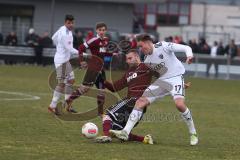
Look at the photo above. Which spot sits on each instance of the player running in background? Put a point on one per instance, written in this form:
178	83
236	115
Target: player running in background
63	39
161	58
98	48
137	78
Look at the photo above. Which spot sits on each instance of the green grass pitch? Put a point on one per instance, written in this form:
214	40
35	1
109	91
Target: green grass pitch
28	131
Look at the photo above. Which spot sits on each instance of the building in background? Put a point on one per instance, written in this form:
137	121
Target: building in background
19	16
212	19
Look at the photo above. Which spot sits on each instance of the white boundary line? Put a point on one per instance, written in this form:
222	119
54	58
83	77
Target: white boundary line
30	96
26	97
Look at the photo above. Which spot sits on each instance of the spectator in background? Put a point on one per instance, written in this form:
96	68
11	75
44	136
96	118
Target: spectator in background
193	44
168	39
176	39
78	39
11	39
220	49
1	39
90	35
204	47
231	49
45	41
31	39
213	55
180	38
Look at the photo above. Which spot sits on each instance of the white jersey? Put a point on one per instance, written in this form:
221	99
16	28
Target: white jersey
164	61
63	39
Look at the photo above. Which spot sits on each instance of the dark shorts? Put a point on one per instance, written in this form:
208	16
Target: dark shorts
119	113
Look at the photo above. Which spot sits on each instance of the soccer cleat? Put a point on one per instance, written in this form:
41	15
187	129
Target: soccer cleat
53	110
148	139
103	139
69	107
120	134
193	140
72	110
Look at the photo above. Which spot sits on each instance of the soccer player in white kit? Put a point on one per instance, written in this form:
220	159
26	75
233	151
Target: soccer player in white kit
63	39
160	57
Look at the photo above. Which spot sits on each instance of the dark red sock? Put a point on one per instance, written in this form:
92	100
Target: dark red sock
133	137
74	95
107	125
100	102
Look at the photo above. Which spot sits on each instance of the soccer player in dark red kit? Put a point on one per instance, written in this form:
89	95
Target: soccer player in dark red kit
137	78
95	73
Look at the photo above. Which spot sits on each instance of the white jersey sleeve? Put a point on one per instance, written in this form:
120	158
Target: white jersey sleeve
55	37
174	47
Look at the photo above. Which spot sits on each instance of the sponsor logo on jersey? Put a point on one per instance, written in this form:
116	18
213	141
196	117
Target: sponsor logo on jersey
134	75
160	68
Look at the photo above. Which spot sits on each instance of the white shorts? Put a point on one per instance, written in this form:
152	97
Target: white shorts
64	72
160	88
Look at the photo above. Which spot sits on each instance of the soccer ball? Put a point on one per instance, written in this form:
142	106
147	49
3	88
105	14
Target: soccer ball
89	130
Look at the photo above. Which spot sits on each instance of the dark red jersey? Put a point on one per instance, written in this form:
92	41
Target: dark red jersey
137	79
96	45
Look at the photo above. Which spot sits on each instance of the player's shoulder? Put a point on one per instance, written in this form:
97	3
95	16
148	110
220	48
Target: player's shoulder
162	44
158	44
143	66
92	40
64	31
106	38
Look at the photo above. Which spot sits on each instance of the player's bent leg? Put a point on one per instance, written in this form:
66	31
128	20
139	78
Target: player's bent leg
141	103
69	88
146	139
134	117
133	137
187	117
100	102
107	125
58	92
75	94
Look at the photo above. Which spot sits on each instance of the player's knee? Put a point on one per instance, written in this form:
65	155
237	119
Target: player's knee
106	118
180	104
61	85
71	81
83	89
141	103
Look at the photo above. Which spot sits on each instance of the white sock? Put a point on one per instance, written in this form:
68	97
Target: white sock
187	117
134	117
56	96
68	91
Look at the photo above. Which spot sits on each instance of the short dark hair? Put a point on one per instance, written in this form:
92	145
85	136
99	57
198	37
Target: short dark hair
144	37
69	17
132	51
100	25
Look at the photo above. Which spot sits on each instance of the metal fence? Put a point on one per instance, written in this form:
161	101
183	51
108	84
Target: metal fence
228	68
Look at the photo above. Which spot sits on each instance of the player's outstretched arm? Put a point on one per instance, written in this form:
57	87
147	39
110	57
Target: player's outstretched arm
117	85
174	47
